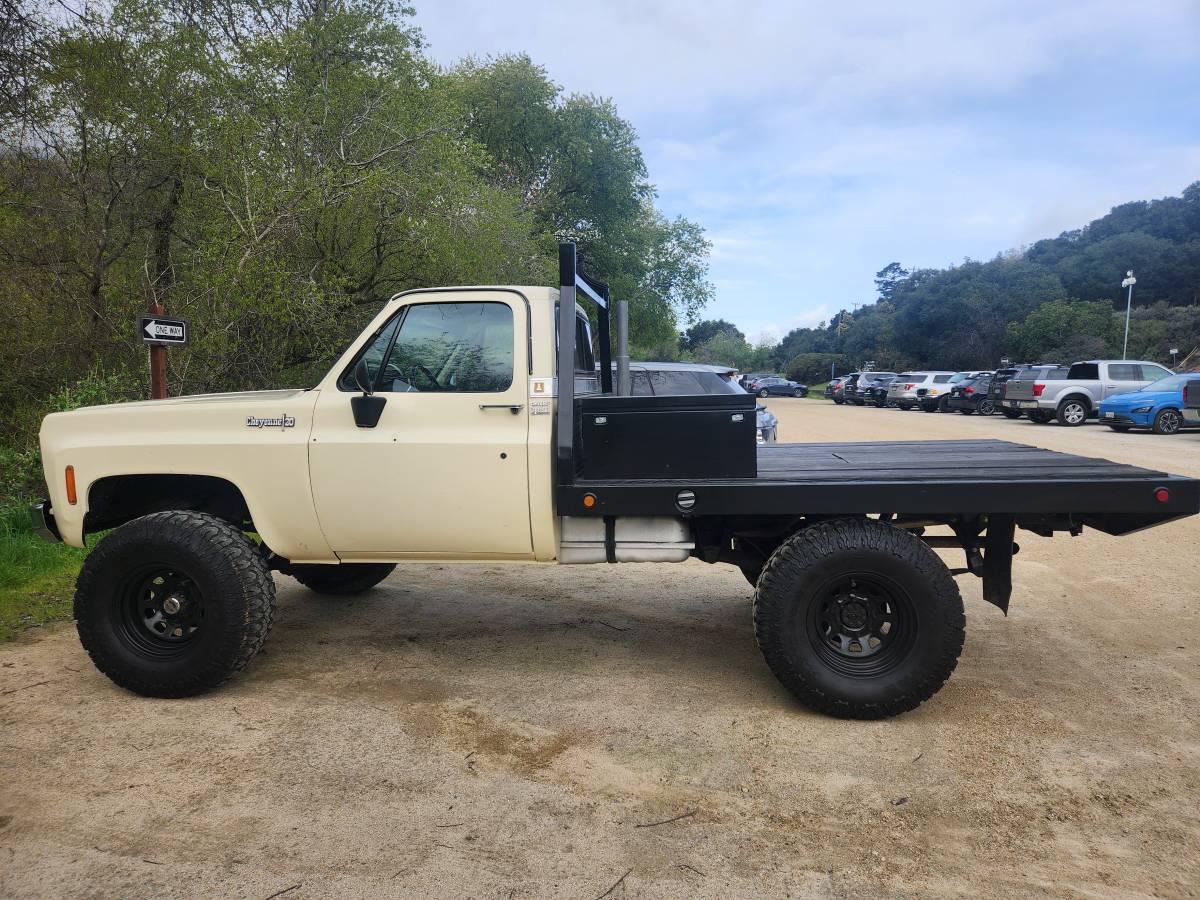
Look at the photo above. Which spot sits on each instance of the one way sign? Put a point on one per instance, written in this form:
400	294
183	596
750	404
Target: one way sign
157	330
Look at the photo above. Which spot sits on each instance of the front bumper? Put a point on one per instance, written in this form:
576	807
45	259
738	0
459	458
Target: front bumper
1113	417
42	519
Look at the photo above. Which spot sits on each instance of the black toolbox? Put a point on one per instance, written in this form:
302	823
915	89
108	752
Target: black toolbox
702	436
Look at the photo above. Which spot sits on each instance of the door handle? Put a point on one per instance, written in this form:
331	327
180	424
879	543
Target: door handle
514	408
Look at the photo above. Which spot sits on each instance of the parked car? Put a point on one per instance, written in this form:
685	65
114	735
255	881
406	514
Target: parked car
750	377
1158	406
774	386
868	382
971	396
689	379
1076	398
903	391
1191	400
943	394
932	394
832	388
846	384
877	388
1000	382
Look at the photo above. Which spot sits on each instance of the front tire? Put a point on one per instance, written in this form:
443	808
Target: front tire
858	619
343	579
1168	421
174	603
764	393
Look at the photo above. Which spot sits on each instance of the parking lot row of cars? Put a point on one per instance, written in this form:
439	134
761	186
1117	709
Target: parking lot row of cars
1122	394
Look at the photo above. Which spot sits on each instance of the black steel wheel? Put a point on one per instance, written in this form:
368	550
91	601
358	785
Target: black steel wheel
347	578
174	603
1168	421
858	618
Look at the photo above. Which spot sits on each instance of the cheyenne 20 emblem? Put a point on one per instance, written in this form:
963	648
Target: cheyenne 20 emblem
273	422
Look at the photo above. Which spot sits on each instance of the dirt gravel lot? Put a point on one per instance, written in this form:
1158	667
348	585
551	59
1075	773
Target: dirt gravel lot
496	731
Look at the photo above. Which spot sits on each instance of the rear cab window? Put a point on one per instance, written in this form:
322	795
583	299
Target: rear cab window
1084	372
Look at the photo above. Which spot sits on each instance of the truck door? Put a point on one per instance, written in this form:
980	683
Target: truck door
1121	378
445	471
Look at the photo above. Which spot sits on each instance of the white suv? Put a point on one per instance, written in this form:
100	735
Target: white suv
904	390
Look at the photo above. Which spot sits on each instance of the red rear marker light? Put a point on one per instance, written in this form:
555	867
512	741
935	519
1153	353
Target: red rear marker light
1162	495
1037	389
909	387
968	390
70	477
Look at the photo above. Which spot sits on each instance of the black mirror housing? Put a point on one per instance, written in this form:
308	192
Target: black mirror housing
362	378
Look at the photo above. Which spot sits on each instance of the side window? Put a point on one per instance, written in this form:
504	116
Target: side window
680	384
1084	372
373	355
941	379
1124	372
1153	373
452	347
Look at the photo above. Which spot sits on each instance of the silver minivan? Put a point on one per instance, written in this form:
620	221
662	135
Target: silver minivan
903	391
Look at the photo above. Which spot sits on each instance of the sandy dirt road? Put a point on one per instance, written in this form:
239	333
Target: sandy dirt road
502	731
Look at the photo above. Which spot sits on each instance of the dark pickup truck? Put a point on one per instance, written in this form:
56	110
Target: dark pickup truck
541	462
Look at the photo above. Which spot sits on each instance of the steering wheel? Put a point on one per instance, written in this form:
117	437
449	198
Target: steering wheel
432	378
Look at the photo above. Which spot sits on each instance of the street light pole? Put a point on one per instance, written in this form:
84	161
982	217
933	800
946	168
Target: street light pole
1129	282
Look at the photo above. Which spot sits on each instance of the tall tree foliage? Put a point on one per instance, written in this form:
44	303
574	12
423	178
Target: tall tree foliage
273	170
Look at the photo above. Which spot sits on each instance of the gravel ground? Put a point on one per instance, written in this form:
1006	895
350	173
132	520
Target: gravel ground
497	731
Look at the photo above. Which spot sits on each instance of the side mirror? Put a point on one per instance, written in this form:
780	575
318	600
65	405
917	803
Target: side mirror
362	378
367	408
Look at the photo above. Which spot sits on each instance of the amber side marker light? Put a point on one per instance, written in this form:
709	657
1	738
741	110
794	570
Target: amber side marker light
589	500
1162	495
71	498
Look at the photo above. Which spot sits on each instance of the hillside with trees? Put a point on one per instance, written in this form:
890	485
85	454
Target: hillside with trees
1060	299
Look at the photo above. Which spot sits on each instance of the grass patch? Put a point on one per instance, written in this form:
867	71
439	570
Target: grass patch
817	391
37	578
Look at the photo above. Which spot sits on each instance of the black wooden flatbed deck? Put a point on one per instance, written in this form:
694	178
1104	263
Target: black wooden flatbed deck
912	478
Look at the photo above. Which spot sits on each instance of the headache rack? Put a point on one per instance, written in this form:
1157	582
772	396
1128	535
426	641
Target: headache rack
605	435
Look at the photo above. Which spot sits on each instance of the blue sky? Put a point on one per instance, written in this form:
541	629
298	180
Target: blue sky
817	142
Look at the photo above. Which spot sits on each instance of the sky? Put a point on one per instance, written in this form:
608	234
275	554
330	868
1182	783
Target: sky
818	142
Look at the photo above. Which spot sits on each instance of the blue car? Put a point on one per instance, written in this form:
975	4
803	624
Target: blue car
1158	406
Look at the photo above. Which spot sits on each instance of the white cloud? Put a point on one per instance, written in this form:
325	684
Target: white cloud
816	142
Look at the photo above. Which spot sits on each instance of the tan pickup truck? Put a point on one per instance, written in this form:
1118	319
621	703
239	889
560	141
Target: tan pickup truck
447	431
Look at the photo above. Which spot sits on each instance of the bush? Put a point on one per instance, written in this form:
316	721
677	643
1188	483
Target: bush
814	367
20	459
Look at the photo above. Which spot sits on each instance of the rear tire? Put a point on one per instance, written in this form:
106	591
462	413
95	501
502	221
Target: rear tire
764	393
858	619
174	603
1168	421
986	408
838	402
1072	412
344	579
905	406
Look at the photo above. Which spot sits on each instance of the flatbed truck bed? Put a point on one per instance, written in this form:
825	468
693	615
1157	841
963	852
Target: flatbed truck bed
954	478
